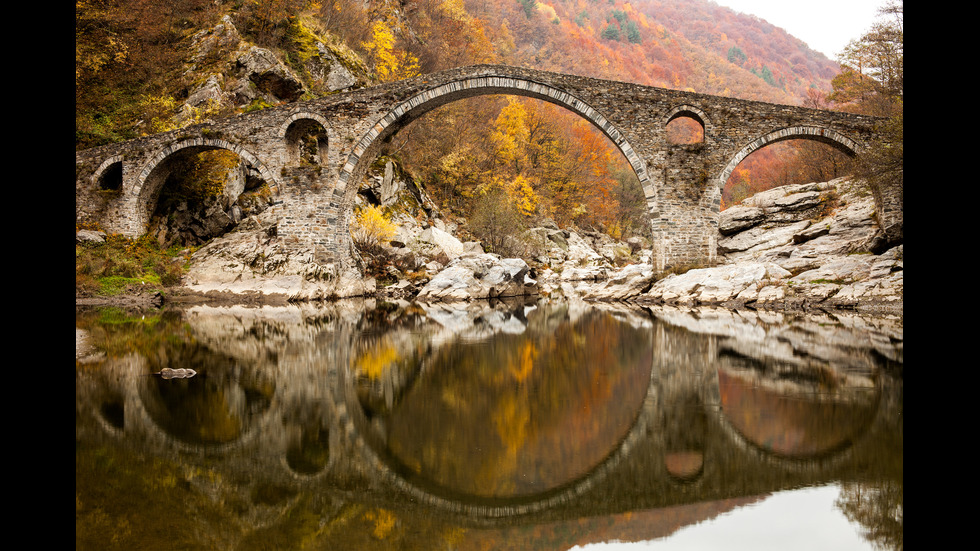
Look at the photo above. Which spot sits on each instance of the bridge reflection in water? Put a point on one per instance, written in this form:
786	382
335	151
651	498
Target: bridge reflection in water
361	425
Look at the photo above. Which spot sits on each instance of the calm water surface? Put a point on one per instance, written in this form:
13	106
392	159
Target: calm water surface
545	425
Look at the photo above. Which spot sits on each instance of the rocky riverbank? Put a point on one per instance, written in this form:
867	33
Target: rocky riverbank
813	246
805	246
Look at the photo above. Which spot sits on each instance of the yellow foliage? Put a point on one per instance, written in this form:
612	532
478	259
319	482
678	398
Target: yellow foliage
390	63
525	361
162	109
510	132
371	226
522	194
455	9
376	361
547	11
384	521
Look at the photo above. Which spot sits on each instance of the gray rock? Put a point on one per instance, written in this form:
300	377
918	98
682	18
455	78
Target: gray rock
326	68
270	75
252	262
479	277
629	282
433	238
772	237
90	236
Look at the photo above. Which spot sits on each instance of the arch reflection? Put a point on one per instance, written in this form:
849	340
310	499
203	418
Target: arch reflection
217	406
508	420
796	411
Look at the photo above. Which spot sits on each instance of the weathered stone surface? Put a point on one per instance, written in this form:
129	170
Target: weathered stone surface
250	262
328	69
479	277
761	237
629	282
90	236
270	75
714	285
444	241
740	217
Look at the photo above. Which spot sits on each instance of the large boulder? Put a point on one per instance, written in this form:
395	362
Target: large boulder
480	276
626	283
251	263
228	72
433	238
562	248
269	75
716	285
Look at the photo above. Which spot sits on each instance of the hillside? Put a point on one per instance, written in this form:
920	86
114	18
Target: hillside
141	69
132	59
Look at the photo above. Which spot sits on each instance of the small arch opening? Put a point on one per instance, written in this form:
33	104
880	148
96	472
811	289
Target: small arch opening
112	177
685	129
789	162
307	143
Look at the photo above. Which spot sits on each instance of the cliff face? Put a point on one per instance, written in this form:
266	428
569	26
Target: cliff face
233	74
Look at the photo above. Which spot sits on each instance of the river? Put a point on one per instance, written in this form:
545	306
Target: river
546	425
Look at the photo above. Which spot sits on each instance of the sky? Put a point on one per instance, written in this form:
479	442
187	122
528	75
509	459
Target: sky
801	520
826	26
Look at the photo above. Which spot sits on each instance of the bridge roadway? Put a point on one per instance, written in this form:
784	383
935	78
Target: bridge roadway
117	185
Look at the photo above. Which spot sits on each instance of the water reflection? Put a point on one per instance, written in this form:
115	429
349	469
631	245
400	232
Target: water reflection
217	406
793	422
514	415
362	425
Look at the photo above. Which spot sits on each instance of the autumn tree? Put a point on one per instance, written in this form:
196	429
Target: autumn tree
371	228
497	221
125	51
268	21
872	82
390	62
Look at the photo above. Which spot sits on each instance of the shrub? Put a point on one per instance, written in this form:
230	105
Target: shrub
370	228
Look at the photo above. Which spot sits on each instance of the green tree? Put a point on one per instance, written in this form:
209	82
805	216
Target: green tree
633	33
528	6
736	55
611	32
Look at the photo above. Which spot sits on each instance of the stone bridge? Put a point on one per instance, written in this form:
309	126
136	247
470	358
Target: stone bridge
118	185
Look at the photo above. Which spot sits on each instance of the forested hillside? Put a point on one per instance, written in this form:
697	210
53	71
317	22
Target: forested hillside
130	54
139	61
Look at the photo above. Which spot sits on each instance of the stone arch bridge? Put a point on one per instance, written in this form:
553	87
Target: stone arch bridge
118	185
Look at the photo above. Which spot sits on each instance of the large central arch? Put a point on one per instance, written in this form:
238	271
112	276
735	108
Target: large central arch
416	106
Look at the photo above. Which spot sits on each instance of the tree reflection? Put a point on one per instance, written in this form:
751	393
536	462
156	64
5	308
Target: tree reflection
879	509
521	414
